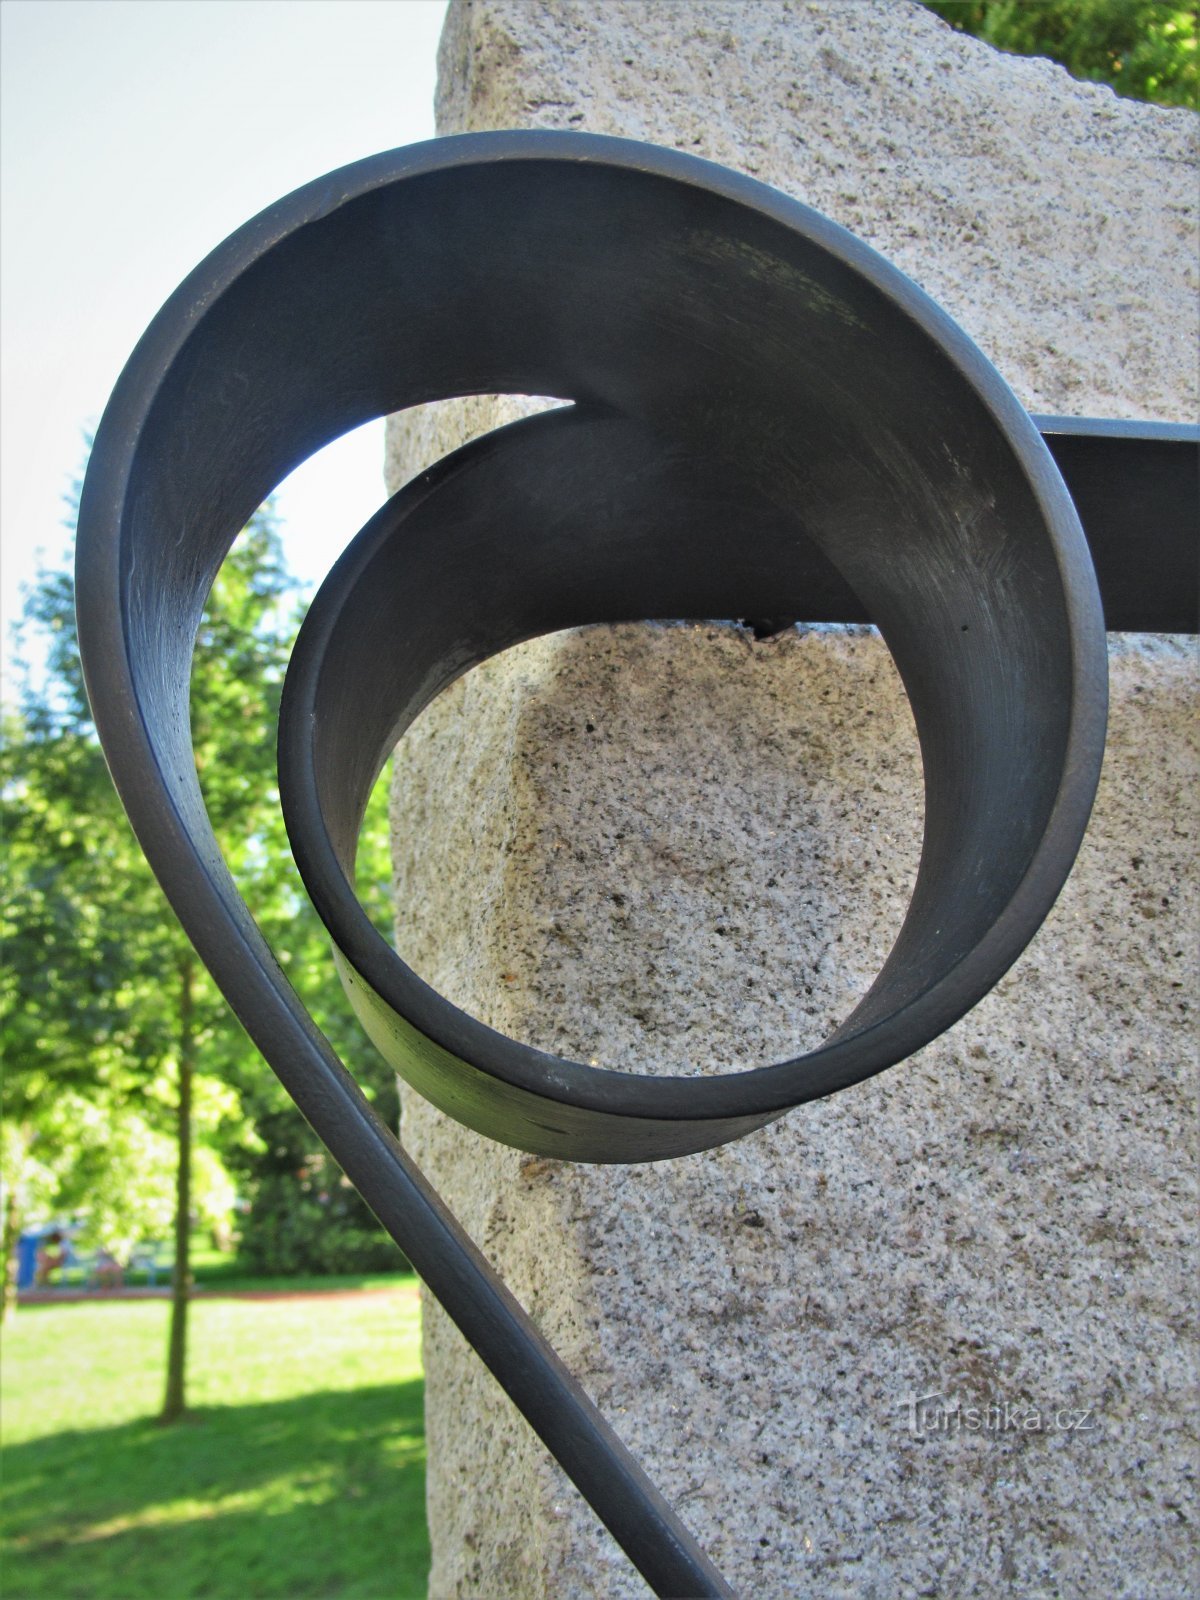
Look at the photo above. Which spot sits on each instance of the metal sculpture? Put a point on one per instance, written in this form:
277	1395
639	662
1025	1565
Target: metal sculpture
768	421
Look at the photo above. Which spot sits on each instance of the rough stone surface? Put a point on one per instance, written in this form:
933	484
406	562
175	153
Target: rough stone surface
676	848
1054	221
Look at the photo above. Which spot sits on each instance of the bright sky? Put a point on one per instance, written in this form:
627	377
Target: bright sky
136	135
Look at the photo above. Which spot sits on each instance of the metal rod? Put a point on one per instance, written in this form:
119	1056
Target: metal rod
639	1518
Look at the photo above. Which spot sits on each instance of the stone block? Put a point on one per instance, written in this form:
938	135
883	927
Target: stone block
681	849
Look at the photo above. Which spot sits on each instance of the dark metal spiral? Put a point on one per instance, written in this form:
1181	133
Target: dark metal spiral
769	421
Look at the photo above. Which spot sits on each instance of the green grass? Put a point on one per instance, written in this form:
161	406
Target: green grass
301	1472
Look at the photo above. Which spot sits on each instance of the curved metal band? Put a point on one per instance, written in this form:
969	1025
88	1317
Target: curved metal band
590	516
726	323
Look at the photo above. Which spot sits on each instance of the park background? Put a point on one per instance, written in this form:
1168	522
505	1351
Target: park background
215	1442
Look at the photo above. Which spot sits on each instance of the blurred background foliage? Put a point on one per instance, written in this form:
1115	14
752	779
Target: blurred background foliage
124	1068
1144	49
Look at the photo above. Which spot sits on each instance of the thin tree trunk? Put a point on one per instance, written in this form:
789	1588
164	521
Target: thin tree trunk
175	1400
11	1230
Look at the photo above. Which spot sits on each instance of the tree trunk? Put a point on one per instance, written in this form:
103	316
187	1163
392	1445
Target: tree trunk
175	1400
11	1230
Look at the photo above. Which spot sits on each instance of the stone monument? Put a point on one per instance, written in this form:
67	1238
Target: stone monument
932	1336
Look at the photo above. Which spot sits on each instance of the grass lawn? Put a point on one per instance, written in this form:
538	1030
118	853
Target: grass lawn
301	1473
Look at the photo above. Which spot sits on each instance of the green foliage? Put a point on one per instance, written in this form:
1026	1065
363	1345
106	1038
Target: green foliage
1145	49
110	1164
297	1229
305	1216
298	1477
95	963
90	998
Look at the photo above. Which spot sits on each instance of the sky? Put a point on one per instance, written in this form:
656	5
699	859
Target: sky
135	136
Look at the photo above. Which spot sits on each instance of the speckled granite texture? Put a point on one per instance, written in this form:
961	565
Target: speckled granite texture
676	848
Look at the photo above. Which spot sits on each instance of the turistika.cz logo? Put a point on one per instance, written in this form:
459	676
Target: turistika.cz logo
938	1416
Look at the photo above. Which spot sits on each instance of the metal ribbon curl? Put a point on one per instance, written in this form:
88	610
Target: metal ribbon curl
769	421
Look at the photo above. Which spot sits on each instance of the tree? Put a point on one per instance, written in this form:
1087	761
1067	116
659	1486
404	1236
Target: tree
1144	49
107	1018
84	1089
105	1006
